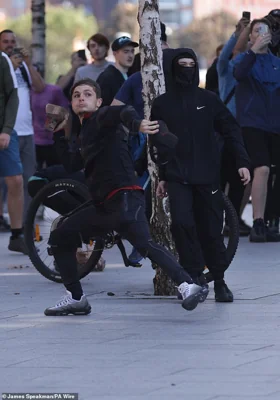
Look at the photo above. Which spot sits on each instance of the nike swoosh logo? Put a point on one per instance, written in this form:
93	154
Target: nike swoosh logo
215	191
199	108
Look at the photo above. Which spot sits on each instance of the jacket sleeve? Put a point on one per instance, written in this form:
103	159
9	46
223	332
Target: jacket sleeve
243	65
111	116
71	160
227	126
224	58
11	106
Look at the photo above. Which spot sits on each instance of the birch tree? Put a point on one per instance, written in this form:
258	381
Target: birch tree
153	86
38	34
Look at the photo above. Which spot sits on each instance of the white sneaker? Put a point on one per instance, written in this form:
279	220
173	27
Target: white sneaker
190	294
68	305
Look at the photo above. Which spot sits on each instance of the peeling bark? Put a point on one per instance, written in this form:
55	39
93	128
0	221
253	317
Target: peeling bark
153	86
38	34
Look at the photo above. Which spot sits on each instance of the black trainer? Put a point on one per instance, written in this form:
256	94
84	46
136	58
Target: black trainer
18	245
258	231
222	292
272	236
273	225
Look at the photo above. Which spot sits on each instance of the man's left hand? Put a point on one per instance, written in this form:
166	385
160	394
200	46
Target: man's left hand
149	127
4	140
245	175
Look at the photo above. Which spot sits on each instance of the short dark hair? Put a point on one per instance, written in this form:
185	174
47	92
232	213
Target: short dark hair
259	21
88	82
99	39
6	31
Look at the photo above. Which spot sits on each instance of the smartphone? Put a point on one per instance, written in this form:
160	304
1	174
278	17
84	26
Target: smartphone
17	50
247	15
82	54
263	29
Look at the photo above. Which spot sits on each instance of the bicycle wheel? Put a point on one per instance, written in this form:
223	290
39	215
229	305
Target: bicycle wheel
232	241
37	229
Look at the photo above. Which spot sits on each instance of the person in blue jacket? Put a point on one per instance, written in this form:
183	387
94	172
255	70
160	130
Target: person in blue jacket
131	93
237	43
257	104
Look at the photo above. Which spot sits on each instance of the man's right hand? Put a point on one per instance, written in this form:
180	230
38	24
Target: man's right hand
261	42
4	140
77	63
162	189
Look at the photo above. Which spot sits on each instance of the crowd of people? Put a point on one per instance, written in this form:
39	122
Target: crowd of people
206	142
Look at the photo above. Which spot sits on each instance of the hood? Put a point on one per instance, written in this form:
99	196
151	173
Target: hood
169	56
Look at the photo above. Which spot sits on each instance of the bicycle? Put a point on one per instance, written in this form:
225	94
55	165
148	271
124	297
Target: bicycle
37	232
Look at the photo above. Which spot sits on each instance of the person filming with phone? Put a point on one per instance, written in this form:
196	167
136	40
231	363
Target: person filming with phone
257	104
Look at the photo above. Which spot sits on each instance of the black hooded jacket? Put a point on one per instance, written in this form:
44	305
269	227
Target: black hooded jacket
103	152
195	115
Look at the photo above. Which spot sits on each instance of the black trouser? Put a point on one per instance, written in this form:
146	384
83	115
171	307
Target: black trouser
229	174
63	202
123	213
272	208
197	223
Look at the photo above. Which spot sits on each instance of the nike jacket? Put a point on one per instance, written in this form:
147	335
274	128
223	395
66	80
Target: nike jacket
196	116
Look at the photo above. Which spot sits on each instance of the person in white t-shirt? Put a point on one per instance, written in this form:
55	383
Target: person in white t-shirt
27	77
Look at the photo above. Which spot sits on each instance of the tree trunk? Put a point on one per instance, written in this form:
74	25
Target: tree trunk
38	34
153	86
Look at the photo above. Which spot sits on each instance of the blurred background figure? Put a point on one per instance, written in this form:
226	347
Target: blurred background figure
65	82
114	76
212	82
98	46
45	152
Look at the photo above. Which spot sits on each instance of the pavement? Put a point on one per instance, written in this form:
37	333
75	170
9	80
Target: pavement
137	346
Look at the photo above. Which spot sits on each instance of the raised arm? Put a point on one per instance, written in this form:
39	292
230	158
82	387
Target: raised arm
243	65
224	58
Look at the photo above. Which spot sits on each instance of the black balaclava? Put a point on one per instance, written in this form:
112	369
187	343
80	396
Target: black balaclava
183	75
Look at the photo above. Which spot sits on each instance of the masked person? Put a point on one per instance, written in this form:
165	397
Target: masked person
192	177
118	202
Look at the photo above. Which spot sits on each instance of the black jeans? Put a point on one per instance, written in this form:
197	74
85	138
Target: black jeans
46	155
197	223
63	202
123	213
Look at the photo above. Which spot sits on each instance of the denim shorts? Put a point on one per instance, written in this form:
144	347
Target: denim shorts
10	164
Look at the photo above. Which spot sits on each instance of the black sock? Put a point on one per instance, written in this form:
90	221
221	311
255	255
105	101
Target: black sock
16	233
75	289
